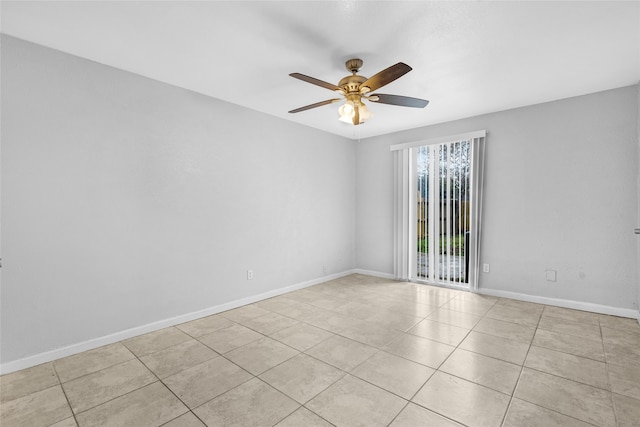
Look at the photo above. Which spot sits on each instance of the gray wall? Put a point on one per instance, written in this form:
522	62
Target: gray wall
126	201
560	193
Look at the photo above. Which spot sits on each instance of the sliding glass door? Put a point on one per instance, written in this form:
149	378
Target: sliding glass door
438	196
443	212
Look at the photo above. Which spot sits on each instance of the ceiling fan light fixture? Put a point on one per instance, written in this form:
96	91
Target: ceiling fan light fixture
347	111
365	114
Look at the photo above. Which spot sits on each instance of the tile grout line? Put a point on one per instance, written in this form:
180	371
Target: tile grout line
136	357
73	414
108	400
438	370
299	352
243	369
378	350
606	366
398	414
168	388
160	380
253	376
240	367
515	388
127	393
558	376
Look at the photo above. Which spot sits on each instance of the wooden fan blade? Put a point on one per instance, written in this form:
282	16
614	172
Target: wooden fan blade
316	82
317	104
404	101
386	76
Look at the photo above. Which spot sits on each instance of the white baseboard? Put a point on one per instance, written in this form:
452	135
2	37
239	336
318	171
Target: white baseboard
576	305
373	273
70	350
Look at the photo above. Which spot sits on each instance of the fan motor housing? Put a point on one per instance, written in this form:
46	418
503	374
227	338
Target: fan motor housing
352	83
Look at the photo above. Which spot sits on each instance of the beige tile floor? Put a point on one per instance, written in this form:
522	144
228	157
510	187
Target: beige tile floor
356	351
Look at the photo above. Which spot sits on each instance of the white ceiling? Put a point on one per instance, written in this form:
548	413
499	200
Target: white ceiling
468	58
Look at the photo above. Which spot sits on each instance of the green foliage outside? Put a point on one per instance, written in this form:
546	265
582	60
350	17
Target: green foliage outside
457	245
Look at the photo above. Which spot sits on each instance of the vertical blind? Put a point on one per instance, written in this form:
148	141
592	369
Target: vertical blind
438	207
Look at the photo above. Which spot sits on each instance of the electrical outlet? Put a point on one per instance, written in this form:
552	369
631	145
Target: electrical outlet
485	268
249	274
551	275
324	270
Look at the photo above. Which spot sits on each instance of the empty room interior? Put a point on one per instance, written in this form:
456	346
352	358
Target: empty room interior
331	213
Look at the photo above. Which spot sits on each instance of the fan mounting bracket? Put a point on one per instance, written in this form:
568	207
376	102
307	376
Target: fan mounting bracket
353	65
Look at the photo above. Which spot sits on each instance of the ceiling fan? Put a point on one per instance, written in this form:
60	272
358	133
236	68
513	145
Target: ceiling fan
355	89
